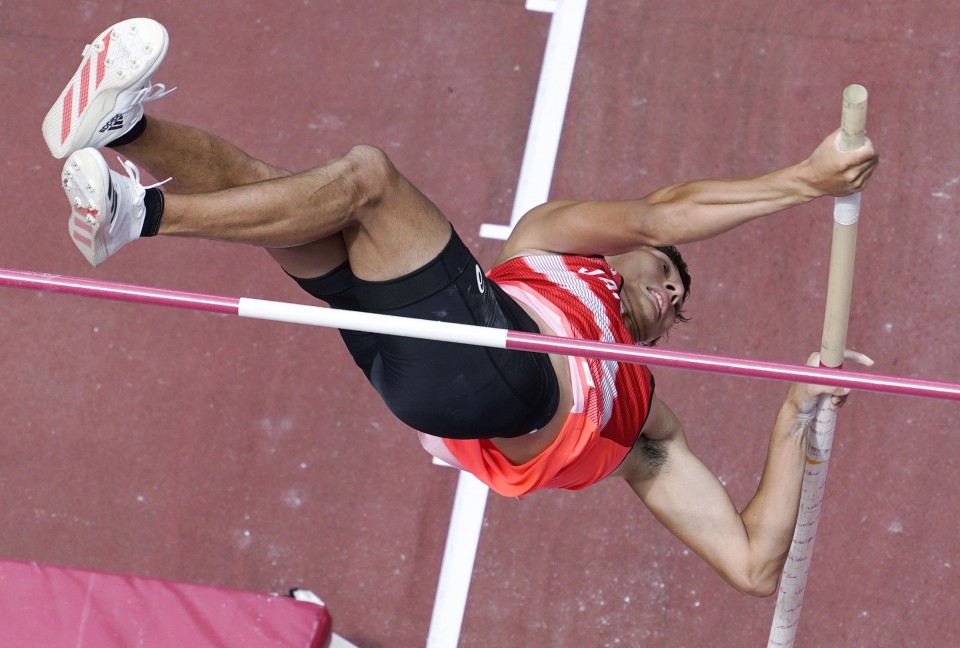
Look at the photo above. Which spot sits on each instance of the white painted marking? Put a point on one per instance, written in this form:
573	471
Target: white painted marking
533	188
339	642
549	108
546	6
459	554
499	232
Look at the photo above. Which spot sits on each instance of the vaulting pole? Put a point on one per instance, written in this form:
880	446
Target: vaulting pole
839	291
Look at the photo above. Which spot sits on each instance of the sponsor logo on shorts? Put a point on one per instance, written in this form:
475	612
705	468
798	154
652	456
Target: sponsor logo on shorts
480	284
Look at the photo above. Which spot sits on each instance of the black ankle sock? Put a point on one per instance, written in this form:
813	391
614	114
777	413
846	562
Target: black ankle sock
131	134
153	201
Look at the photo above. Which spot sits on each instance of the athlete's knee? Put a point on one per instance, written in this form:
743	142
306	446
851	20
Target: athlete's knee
372	173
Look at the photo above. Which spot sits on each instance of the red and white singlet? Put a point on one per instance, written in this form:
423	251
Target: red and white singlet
577	297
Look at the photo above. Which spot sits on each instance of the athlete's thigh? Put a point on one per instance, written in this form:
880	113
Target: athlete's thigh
396	234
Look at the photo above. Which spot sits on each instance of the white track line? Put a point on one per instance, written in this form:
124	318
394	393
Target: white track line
463	536
546	6
533	188
549	108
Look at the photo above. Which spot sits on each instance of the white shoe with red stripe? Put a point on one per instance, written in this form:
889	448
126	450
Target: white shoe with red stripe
105	97
106	207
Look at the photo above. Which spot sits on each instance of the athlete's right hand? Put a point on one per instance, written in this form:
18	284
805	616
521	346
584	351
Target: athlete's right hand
830	171
806	397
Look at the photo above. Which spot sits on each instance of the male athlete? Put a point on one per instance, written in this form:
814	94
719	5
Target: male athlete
356	234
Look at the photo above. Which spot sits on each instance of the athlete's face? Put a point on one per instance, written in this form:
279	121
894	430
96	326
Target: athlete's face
652	292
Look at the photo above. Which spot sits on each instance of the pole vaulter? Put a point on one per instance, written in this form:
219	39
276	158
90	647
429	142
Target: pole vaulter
846	212
475	335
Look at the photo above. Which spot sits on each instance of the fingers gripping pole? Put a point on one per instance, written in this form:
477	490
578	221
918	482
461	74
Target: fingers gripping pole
839	292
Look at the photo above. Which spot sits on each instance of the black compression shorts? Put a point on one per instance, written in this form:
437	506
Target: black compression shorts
446	389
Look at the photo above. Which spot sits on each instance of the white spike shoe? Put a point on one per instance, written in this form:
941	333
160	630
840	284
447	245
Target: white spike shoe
106	208
105	97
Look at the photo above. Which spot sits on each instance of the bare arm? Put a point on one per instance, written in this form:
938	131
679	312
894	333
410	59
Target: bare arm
688	211
747	548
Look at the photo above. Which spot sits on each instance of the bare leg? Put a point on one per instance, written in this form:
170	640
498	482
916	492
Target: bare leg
388	227
199	162
196	161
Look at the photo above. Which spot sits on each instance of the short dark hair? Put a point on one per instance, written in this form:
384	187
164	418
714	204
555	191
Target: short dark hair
676	258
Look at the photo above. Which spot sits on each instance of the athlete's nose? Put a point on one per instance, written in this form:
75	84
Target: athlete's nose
674	291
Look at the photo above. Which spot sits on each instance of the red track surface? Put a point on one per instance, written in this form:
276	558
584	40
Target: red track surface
252	455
